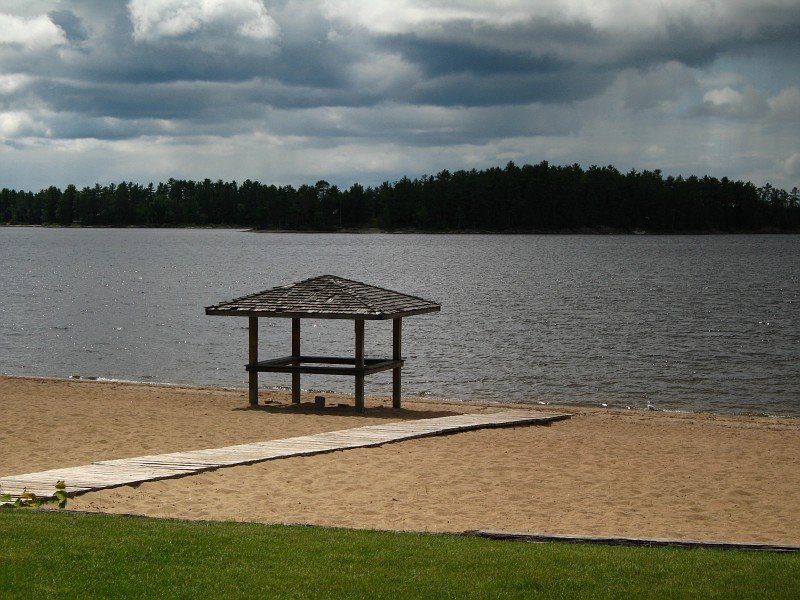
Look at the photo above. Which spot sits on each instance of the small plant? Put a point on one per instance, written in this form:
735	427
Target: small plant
30	500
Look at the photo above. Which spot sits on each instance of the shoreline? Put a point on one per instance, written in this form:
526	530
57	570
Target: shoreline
604	472
600	231
411	398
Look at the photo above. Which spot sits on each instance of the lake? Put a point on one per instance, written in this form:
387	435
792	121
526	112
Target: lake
709	323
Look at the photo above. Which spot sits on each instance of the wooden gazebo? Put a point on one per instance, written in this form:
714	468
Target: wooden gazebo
326	297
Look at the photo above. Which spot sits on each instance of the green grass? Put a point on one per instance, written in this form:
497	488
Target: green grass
83	556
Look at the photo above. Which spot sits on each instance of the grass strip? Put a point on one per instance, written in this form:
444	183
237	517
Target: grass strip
106	556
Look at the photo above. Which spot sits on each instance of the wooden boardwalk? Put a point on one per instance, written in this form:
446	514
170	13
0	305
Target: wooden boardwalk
126	471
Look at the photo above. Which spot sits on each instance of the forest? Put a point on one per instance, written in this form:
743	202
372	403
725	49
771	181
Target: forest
530	198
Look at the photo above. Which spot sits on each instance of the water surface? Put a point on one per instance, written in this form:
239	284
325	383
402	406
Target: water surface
679	322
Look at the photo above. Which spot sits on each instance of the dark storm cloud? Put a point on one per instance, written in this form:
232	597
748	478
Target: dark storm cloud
461	63
577	49
115	57
44	62
442	57
70	24
505	89
694	45
126	101
182	100
67	126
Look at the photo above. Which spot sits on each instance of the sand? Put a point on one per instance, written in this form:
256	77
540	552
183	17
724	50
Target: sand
603	472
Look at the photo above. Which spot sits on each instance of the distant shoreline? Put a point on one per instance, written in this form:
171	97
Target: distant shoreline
408	397
605	231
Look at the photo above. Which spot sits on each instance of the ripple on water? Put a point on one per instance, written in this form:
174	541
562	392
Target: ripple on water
682	322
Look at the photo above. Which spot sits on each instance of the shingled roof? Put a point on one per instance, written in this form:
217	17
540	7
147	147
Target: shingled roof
326	297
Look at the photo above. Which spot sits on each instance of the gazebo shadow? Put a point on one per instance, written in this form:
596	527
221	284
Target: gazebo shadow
348	410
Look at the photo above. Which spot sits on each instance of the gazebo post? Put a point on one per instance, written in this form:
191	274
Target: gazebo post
327	297
359	365
397	341
296	353
253	359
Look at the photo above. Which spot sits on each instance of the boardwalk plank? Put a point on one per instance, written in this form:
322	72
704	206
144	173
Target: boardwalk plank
125	471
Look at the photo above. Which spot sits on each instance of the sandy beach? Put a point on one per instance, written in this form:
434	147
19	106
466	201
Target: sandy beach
602	472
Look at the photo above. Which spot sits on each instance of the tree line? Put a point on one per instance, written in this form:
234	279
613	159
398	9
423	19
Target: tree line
542	197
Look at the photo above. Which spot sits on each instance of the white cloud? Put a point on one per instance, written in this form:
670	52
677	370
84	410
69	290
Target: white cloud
403	16
398	16
722	97
379	73
786	105
10	123
14	124
33	33
12	83
655	151
728	102
791	165
158	19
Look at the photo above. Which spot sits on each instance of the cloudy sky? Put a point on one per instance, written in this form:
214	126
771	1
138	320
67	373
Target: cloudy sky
291	91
